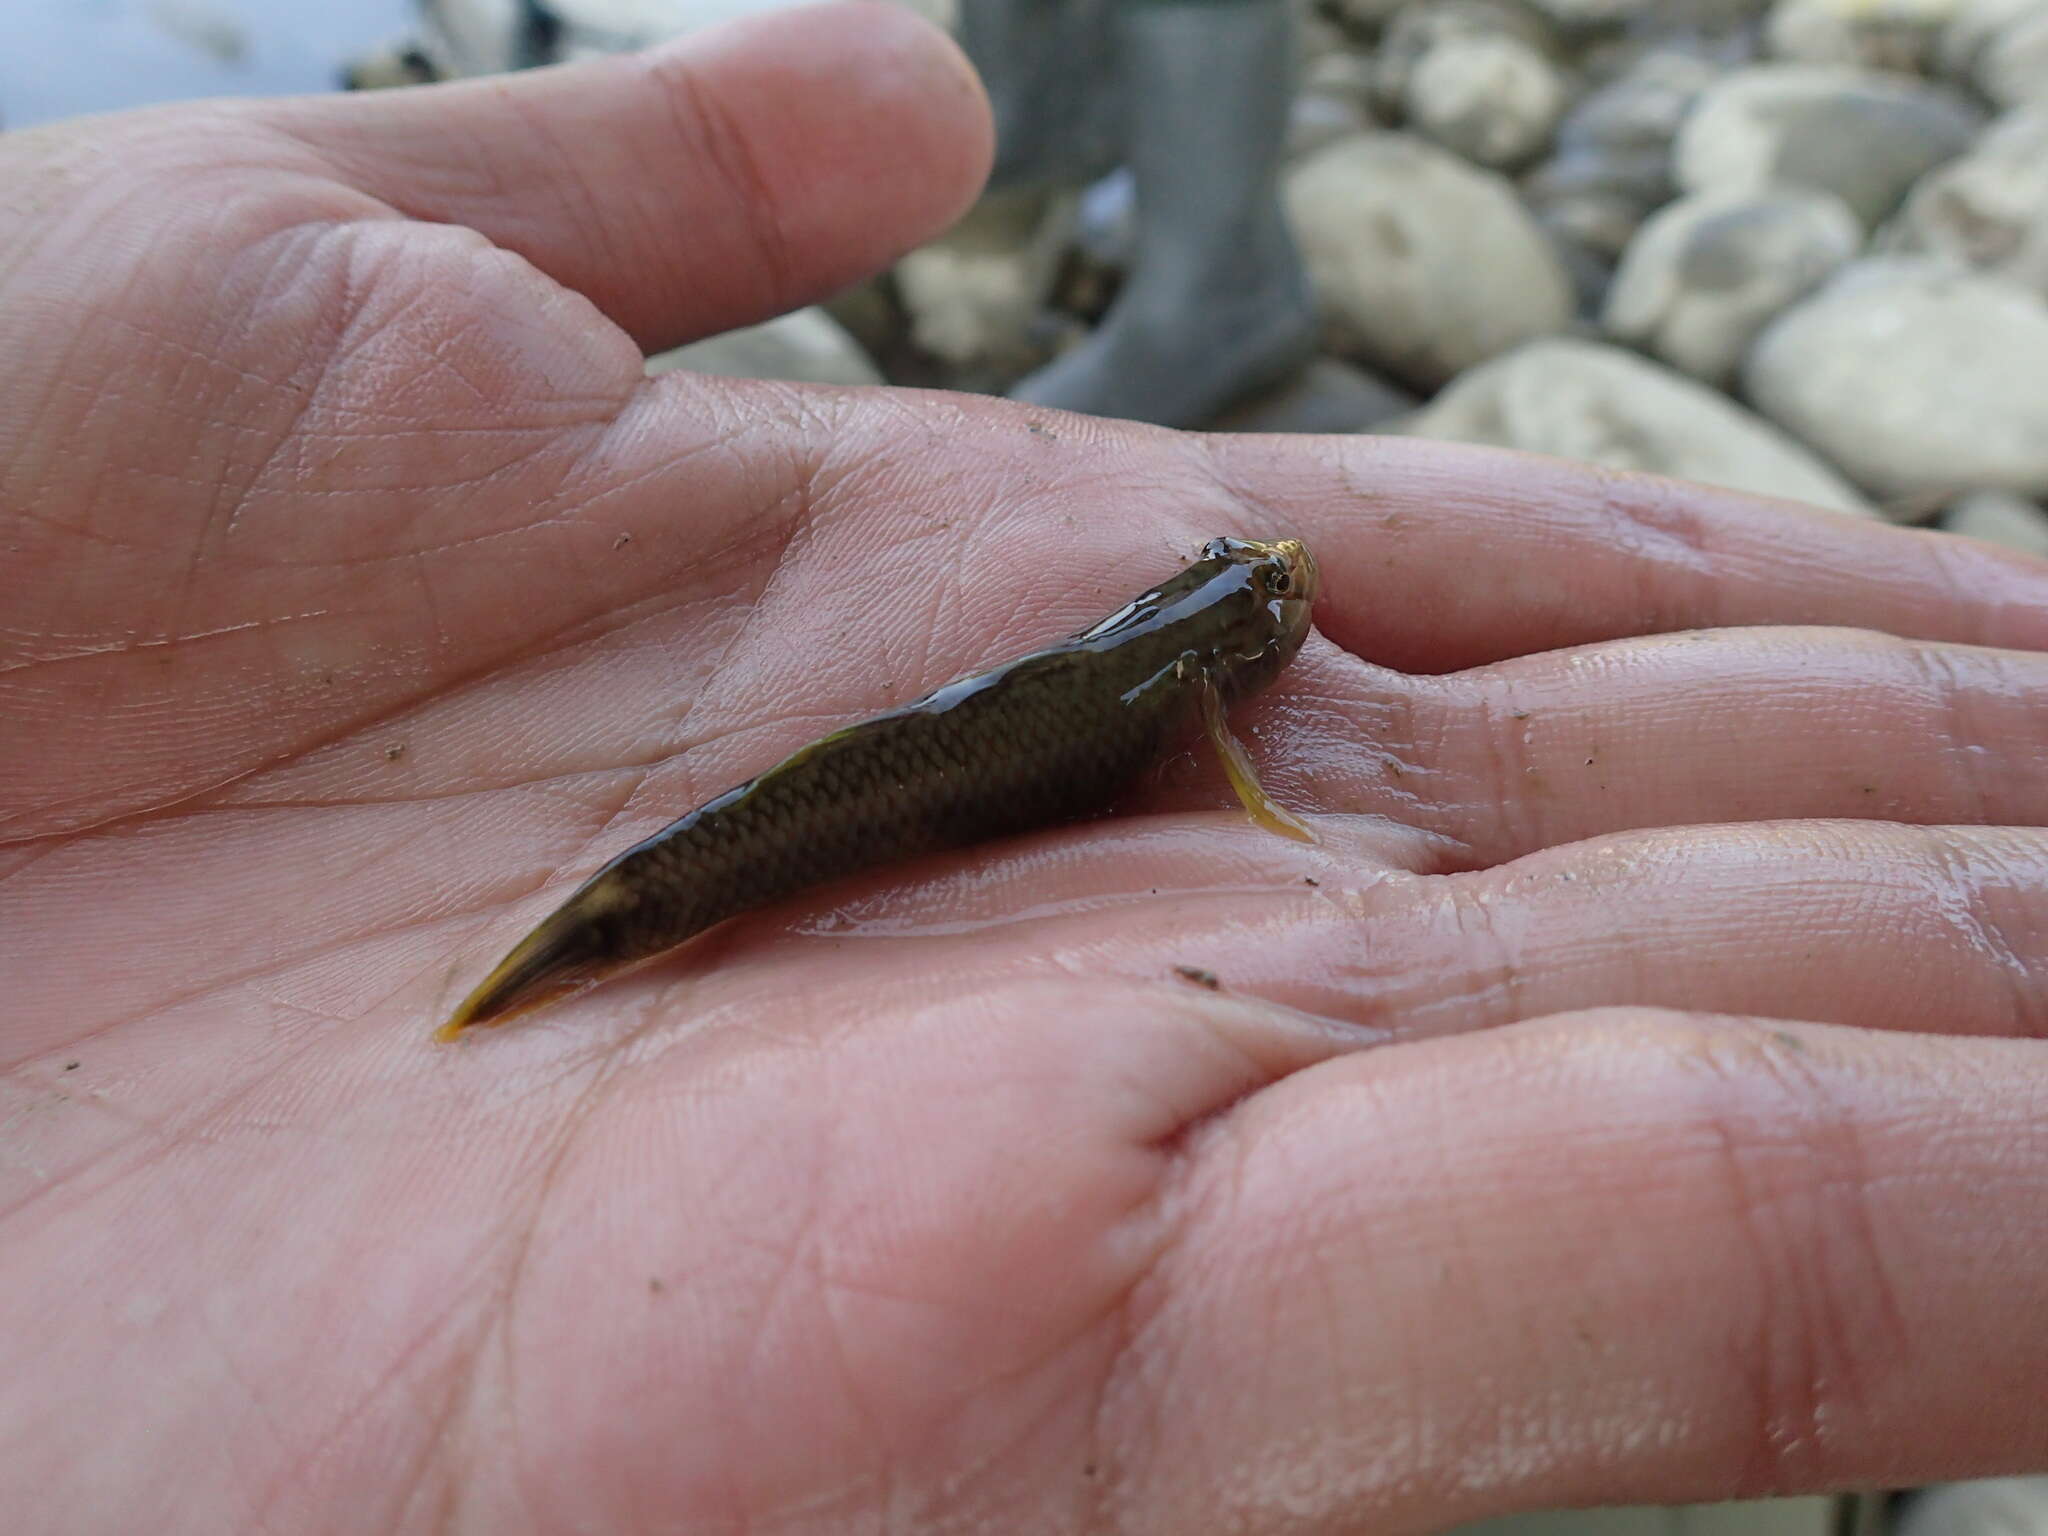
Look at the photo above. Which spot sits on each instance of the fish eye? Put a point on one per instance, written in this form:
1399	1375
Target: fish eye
1280	583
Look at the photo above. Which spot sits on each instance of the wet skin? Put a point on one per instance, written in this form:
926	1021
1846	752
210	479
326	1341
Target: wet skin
1638	1092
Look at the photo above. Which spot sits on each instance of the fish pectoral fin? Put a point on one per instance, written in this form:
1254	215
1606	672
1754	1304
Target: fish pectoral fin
1244	779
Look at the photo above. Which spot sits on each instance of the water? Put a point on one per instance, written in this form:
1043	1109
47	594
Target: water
59	58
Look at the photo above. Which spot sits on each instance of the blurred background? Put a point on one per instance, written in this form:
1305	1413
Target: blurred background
60	58
1798	247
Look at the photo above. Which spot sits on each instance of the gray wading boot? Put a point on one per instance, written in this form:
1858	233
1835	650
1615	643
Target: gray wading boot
1049	69
1216	304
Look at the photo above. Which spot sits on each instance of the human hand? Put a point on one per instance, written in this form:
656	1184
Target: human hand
1636	1095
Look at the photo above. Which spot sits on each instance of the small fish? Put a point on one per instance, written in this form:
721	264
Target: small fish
1047	738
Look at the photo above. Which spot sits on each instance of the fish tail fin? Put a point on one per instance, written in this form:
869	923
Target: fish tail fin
558	959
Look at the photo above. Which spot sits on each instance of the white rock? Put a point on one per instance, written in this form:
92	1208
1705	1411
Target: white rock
806	344
1862	135
2012	68
1914	376
1494	100
975	292
1585	400
1971	30
1872	34
1419	29
1706	273
1424	265
1989	208
2001	518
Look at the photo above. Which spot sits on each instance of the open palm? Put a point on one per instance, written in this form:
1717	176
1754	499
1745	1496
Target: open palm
359	596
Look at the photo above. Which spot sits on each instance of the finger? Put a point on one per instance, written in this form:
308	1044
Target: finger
396	453
723	178
1885	927
1868	924
1000	529
1625	1256
1436	560
1715	726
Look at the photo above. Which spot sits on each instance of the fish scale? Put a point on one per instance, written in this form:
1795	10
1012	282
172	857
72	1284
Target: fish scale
1045	739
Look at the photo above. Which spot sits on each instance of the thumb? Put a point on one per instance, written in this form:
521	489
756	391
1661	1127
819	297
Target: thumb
290	446
728	176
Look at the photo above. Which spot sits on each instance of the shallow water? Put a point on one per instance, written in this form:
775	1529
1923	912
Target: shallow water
59	58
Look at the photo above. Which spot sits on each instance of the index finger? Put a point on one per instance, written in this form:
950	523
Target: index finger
1441	558
1605	1256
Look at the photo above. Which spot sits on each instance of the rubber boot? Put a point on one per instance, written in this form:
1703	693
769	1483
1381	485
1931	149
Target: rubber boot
1048	68
1216	304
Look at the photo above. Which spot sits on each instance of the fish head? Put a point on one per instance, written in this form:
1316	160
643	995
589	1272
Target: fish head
1291	579
1282	579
